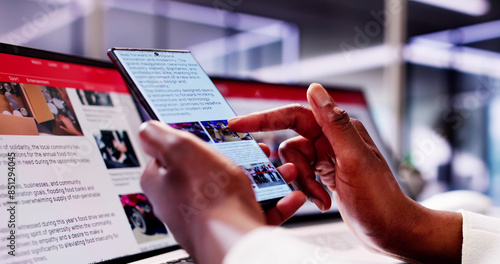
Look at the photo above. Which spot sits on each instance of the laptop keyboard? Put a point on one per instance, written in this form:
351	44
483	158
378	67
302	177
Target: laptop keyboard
339	240
342	242
334	240
187	260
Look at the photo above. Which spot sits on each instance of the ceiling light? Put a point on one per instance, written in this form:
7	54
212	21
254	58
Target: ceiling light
469	7
328	65
464	35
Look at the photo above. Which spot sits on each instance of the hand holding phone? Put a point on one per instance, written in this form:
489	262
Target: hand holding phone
170	86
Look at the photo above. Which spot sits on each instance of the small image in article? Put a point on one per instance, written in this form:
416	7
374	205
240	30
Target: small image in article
65	121
144	224
192	127
28	109
116	149
94	98
263	175
220	132
11	100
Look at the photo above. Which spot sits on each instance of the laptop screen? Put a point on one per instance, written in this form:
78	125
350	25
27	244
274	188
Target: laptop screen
70	163
70	158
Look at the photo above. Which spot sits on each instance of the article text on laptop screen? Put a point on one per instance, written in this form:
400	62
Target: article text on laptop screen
70	164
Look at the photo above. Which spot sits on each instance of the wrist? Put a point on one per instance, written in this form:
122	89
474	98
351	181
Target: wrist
216	230
429	236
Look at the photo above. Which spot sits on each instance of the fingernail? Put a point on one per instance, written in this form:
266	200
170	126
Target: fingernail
319	95
319	204
233	119
146	128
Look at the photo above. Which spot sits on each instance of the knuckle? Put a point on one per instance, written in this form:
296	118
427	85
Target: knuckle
284	146
298	107
338	117
145	182
294	111
146	177
142	181
356	122
289	144
181	143
284	150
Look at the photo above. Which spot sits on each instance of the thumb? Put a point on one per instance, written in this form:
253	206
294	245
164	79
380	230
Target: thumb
336	125
158	140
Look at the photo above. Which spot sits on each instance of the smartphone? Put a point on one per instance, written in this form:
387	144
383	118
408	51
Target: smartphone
171	86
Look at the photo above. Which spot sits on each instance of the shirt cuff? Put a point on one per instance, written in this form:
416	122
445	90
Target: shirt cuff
273	245
481	239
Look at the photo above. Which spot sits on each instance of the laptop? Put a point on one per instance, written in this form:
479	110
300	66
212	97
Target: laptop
71	157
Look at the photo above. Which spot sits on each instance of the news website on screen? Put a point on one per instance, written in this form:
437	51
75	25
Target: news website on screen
70	162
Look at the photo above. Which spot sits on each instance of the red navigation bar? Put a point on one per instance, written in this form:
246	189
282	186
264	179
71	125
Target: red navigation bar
59	74
28	70
256	90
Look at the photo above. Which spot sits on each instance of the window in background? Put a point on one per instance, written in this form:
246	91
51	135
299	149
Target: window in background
225	43
453	73
494	146
50	25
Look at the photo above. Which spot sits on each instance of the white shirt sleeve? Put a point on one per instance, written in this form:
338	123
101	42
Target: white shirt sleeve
481	245
481	239
272	245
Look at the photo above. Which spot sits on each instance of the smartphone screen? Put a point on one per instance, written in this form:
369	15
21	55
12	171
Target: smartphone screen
174	89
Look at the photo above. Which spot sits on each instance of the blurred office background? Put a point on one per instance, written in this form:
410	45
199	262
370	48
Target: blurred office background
430	68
